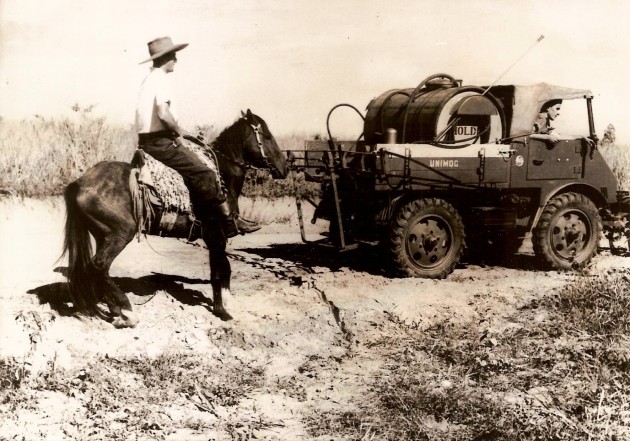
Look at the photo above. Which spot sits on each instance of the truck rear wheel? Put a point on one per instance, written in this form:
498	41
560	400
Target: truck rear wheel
427	238
568	231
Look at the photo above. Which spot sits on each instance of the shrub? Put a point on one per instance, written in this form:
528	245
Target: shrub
618	159
40	156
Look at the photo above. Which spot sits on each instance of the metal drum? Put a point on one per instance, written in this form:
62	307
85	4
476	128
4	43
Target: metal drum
440	112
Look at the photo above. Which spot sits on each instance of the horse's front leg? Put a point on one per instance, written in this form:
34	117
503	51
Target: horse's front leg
220	270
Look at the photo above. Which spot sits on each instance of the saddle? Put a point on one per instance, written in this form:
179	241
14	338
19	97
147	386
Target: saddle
161	200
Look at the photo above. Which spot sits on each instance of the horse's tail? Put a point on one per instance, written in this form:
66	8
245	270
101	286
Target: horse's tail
78	246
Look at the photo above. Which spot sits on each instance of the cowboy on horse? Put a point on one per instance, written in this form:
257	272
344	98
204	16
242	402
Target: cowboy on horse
103	202
160	135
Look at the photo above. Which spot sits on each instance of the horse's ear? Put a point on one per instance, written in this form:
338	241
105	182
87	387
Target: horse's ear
249	114
243	114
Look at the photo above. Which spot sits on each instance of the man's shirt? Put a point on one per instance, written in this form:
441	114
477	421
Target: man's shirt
542	125
155	90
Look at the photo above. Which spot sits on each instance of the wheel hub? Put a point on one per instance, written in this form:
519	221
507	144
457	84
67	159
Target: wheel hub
429	241
570	234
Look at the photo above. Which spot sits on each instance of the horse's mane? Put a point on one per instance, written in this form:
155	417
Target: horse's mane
228	137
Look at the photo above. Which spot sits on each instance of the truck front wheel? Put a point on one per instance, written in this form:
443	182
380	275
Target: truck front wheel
427	238
568	231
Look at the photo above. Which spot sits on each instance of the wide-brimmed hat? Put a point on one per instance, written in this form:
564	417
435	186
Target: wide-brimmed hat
549	104
162	46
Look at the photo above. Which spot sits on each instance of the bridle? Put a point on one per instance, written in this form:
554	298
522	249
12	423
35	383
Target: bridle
259	133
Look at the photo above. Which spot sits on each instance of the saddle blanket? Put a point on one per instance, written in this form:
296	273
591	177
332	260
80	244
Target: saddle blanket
168	185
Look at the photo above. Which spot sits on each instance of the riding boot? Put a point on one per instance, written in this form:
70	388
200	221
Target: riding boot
232	223
230	228
246	226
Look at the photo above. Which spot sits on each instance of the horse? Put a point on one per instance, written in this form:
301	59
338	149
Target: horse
100	203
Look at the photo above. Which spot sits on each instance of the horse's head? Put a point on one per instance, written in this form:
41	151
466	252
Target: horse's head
260	148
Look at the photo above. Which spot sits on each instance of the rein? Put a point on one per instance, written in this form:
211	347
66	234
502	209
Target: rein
244	165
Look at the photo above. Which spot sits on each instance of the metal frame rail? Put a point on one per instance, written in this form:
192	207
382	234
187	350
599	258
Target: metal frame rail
327	164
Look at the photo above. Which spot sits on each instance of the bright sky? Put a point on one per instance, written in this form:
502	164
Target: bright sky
291	61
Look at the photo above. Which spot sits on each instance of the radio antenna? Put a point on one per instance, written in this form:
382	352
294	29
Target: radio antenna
538	40
455	120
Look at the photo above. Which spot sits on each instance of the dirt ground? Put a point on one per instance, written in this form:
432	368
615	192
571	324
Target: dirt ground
304	313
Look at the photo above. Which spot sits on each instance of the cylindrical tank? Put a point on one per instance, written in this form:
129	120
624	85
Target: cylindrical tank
440	112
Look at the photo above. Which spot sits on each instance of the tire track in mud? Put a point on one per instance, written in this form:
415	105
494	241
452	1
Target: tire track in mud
297	275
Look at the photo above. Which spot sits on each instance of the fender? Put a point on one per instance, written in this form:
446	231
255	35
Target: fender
587	190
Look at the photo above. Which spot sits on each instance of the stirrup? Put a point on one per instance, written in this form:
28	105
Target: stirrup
230	226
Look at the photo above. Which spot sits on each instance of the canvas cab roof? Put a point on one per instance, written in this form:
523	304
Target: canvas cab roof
521	104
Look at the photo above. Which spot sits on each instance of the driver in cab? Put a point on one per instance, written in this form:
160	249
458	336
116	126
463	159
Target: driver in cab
544	130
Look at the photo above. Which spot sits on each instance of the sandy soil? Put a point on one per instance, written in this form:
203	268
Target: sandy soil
305	313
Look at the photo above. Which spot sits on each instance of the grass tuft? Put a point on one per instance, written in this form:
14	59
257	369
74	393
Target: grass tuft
147	396
559	368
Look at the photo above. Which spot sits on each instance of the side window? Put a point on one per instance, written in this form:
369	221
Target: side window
573	118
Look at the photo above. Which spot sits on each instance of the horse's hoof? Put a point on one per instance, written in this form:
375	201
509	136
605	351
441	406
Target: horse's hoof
127	319
223	315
